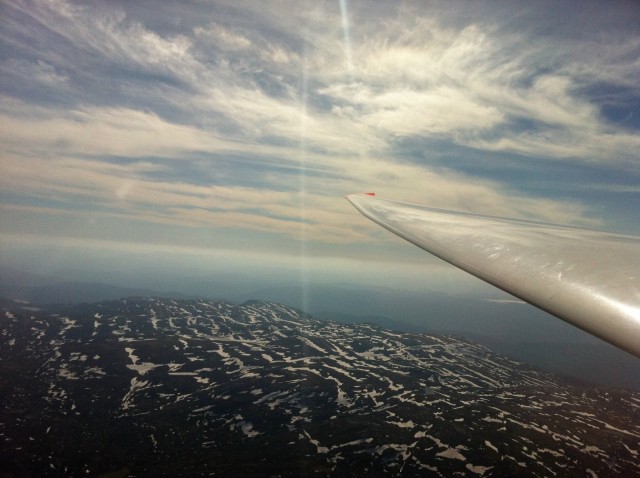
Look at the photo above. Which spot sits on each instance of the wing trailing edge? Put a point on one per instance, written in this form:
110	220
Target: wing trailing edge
590	279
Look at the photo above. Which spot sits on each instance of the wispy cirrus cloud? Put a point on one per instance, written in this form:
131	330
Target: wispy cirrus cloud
231	116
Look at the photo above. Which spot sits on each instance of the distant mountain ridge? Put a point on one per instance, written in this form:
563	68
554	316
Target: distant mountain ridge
598	363
39	289
169	387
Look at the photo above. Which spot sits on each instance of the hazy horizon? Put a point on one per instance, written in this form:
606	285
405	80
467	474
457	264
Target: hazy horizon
490	317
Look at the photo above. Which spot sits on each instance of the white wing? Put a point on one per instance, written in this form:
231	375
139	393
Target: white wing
588	278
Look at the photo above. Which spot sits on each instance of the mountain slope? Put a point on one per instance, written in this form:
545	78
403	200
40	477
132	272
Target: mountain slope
159	387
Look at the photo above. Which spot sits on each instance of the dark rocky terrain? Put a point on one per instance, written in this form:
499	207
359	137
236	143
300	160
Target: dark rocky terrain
158	387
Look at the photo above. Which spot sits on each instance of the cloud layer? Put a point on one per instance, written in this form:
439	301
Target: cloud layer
233	119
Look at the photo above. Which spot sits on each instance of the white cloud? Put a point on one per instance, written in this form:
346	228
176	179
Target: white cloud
39	73
414	113
223	37
414	76
281	95
316	211
96	131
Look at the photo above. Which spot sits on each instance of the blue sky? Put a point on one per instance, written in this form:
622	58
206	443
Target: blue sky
229	132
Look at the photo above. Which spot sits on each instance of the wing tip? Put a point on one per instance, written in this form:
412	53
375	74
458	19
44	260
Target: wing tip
356	197
372	194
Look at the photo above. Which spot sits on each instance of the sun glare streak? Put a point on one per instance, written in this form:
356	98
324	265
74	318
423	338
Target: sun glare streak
347	38
302	188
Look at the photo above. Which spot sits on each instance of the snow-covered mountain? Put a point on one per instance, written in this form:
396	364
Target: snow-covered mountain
158	387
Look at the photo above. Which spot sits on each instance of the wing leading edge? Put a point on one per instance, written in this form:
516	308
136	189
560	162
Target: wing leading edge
588	278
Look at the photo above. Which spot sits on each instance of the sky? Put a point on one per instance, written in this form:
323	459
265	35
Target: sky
222	136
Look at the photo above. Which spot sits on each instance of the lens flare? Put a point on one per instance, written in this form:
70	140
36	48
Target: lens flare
347	38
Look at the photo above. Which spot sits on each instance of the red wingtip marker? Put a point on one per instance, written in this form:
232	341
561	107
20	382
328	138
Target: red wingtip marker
370	194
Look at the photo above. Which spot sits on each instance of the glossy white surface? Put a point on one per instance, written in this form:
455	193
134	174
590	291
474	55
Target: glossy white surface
588	278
